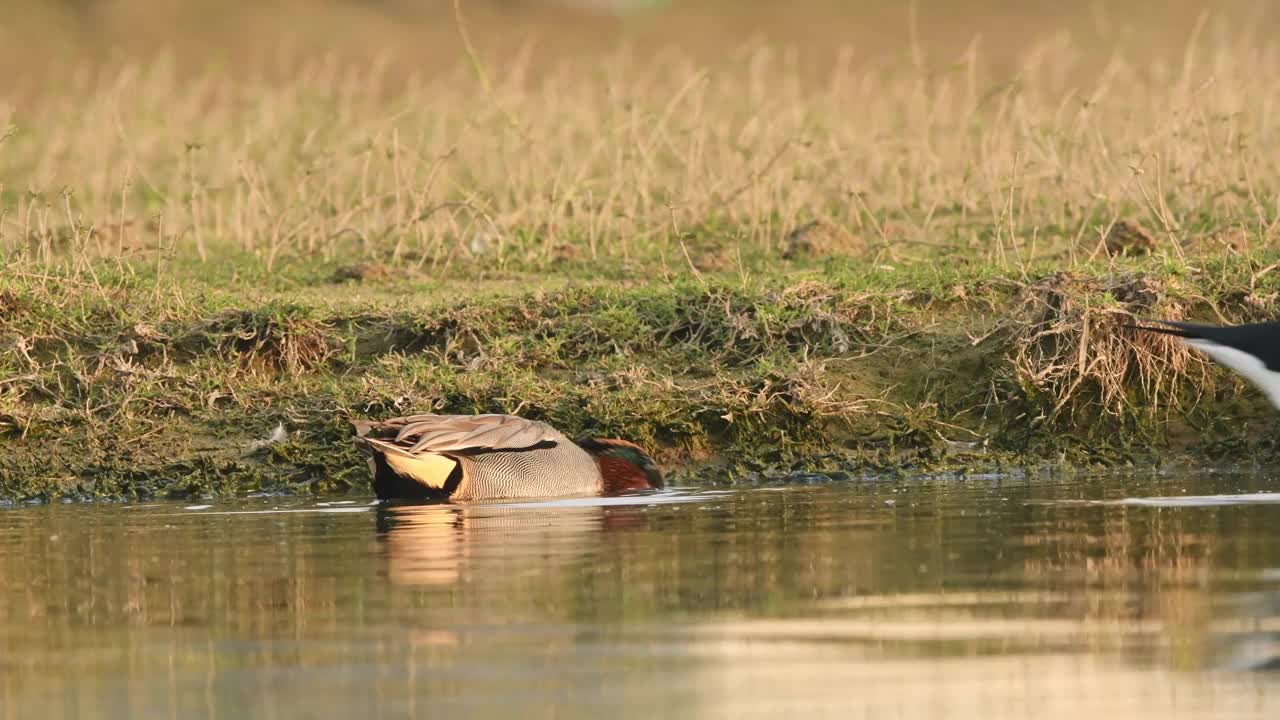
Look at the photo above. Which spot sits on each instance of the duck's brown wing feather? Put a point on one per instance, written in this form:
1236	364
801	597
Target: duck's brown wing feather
458	434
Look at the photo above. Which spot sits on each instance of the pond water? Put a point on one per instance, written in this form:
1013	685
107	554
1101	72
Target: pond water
1153	596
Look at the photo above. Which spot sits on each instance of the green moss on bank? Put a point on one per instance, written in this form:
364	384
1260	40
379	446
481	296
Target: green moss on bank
114	383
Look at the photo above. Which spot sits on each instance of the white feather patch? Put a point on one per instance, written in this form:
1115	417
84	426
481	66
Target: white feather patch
1243	363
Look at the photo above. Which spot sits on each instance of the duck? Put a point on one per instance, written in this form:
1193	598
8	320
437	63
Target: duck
1252	350
493	457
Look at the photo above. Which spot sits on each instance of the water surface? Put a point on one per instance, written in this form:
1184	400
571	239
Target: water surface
1129	597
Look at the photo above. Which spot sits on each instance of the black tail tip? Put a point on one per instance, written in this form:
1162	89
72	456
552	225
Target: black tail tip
1164	327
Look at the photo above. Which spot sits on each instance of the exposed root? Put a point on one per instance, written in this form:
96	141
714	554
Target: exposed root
1071	347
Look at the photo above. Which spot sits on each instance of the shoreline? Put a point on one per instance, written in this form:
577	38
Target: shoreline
123	385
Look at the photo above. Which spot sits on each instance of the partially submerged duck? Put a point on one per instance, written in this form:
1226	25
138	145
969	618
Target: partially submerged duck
1251	350
487	457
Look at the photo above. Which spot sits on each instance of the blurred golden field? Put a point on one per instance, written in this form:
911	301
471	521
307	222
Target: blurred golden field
706	135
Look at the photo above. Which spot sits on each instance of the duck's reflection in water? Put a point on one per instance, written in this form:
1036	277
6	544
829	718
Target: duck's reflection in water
442	544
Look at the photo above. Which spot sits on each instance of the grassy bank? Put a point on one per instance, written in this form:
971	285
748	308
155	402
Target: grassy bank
121	385
747	255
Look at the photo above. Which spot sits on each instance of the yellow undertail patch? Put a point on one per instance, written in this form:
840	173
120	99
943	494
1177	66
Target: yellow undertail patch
430	470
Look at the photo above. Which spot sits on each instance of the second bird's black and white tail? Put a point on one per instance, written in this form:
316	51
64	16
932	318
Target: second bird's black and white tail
1253	350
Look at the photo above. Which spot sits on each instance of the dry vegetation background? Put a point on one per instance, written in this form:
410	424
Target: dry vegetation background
709	134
